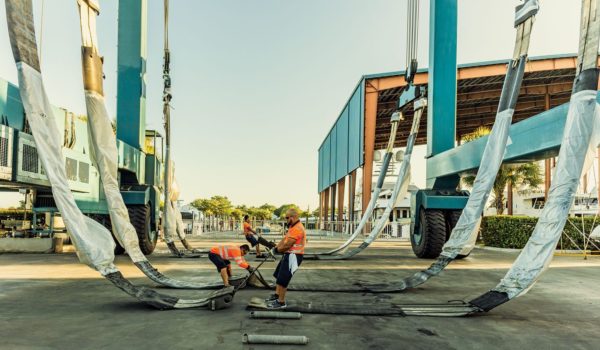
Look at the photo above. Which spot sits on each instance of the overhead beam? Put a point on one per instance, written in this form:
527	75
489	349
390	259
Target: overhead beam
490	70
535	138
539	90
526	90
521	106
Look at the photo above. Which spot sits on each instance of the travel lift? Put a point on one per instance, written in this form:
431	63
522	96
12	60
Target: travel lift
464	234
581	136
412	95
32	91
94	243
104	151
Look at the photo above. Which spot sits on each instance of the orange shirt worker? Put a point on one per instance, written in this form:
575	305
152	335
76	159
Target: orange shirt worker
292	247
249	234
220	256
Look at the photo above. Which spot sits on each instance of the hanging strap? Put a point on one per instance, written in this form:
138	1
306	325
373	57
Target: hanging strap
412	38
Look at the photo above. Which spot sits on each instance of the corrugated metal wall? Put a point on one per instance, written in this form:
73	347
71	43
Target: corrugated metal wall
342	150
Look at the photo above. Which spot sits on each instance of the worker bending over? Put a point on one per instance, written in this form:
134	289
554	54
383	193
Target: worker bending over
220	256
249	233
292	247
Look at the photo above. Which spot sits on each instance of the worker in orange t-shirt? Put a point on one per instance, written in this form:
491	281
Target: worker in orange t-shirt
249	234
220	256
292	247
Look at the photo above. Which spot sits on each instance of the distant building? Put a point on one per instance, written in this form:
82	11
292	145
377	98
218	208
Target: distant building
192	220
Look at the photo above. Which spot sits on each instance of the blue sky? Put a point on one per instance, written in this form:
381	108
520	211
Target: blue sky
258	84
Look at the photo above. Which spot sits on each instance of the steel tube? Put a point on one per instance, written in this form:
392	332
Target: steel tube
276	315
274	339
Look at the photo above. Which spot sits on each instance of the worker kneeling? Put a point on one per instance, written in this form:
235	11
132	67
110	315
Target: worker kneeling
220	256
292	247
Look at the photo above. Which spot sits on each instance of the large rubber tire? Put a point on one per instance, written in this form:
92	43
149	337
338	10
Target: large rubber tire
139	215
452	217
427	243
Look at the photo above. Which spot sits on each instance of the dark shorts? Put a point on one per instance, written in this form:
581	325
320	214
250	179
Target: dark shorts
219	262
252	240
286	269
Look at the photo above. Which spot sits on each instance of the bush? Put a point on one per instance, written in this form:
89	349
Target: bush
514	231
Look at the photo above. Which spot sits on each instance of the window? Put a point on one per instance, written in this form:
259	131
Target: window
30	159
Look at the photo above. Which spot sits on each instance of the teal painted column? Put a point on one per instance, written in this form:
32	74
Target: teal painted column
131	84
441	114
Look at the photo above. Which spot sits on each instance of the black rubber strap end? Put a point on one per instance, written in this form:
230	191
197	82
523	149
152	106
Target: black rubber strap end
490	300
586	80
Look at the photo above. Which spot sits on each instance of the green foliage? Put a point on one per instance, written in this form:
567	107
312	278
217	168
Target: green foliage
475	134
280	212
514	174
215	206
237	213
260	213
514	231
271	208
12	212
317	212
221	206
264	212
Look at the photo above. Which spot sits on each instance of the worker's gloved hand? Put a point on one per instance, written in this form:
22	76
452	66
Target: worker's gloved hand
274	251
251	269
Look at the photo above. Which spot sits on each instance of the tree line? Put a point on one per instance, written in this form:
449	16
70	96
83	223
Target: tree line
221	206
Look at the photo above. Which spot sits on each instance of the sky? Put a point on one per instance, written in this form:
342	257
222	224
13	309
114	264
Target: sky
258	84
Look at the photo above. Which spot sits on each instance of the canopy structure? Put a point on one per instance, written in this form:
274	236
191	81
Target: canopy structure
547	84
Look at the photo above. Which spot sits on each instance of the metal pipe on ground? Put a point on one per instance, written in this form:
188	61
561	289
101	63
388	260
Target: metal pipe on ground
274	339
276	315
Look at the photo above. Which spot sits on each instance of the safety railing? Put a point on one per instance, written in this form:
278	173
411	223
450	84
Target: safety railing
315	229
393	230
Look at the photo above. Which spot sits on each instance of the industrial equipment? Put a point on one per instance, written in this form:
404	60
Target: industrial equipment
140	150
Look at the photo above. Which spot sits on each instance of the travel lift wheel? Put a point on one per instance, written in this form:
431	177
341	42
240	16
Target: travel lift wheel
428	240
452	217
139	215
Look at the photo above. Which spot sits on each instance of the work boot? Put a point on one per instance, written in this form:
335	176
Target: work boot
271	298
276	304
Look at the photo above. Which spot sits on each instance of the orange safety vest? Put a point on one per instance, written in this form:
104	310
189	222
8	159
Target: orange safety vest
247	228
229	252
297	233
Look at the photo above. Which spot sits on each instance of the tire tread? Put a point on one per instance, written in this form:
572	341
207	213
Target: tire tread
139	216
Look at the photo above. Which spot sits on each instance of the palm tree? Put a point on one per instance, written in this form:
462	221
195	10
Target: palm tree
523	174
